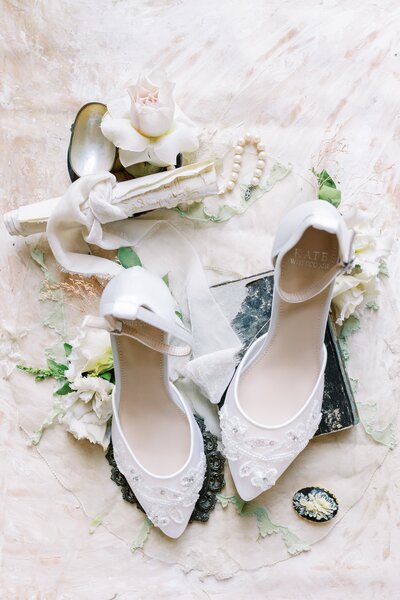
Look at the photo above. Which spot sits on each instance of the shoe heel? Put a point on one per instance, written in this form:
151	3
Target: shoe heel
318	214
133	289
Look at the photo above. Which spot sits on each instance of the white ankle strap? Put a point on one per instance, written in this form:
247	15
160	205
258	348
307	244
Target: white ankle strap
135	330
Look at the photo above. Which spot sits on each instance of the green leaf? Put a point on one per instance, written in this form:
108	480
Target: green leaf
372	305
38	257
57	369
325	179
94	523
128	258
142	535
350	326
67	349
40	374
327	188
56	412
64	389
108	375
383	268
166	279
179	314
387	435
354	385
330	194
266	526
237	502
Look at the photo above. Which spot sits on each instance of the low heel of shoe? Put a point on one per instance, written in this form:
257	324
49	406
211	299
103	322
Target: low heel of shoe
134	288
318	214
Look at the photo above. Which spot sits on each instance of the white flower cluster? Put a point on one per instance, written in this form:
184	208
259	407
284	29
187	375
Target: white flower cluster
360	288
86	411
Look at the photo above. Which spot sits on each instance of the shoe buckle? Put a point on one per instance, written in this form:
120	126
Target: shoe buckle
115	326
348	265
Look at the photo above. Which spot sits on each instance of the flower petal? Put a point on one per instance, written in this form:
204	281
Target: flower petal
343	283
181	139
133	113
144	83
154	120
128	158
119	108
122	134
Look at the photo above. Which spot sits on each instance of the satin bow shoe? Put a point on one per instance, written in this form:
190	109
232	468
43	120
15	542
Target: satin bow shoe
273	404
157	443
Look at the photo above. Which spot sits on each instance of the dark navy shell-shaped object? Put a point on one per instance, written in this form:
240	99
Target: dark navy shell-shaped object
315	504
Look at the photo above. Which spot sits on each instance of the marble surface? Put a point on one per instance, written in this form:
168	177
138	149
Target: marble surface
320	82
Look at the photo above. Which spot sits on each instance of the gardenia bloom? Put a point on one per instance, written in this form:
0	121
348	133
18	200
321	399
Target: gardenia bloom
147	125
361	287
87	410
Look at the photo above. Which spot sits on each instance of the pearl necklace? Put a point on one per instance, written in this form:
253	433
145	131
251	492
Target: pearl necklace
238	148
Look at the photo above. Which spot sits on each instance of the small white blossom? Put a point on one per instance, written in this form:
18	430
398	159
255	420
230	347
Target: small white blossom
87	410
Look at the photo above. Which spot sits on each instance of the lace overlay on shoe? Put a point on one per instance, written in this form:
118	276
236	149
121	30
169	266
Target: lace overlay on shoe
165	503
258	454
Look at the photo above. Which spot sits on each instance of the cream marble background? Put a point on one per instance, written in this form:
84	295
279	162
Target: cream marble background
320	82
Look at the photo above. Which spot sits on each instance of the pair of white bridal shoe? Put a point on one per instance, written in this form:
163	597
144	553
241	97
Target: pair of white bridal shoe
273	403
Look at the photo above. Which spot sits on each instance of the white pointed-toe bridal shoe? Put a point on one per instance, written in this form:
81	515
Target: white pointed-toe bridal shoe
157	443
273	404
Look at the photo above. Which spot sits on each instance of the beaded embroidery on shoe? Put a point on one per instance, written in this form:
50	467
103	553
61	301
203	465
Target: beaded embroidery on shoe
213	483
165	503
259	452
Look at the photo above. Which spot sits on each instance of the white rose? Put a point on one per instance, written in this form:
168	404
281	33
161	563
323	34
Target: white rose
362	286
152	106
91	353
147	125
86	411
347	296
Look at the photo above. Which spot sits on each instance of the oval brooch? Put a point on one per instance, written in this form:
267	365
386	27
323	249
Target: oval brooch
315	504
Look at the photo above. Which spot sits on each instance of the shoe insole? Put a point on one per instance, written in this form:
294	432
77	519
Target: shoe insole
280	380
157	431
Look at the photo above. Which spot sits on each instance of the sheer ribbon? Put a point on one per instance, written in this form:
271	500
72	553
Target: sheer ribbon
95	210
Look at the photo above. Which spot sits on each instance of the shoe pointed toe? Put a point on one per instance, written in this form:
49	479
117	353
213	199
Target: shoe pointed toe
251	480
174	530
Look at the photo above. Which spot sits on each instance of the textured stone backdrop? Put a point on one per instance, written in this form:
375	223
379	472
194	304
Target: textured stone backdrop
319	80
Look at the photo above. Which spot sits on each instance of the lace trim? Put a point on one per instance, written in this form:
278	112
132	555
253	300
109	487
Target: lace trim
164	504
257	453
